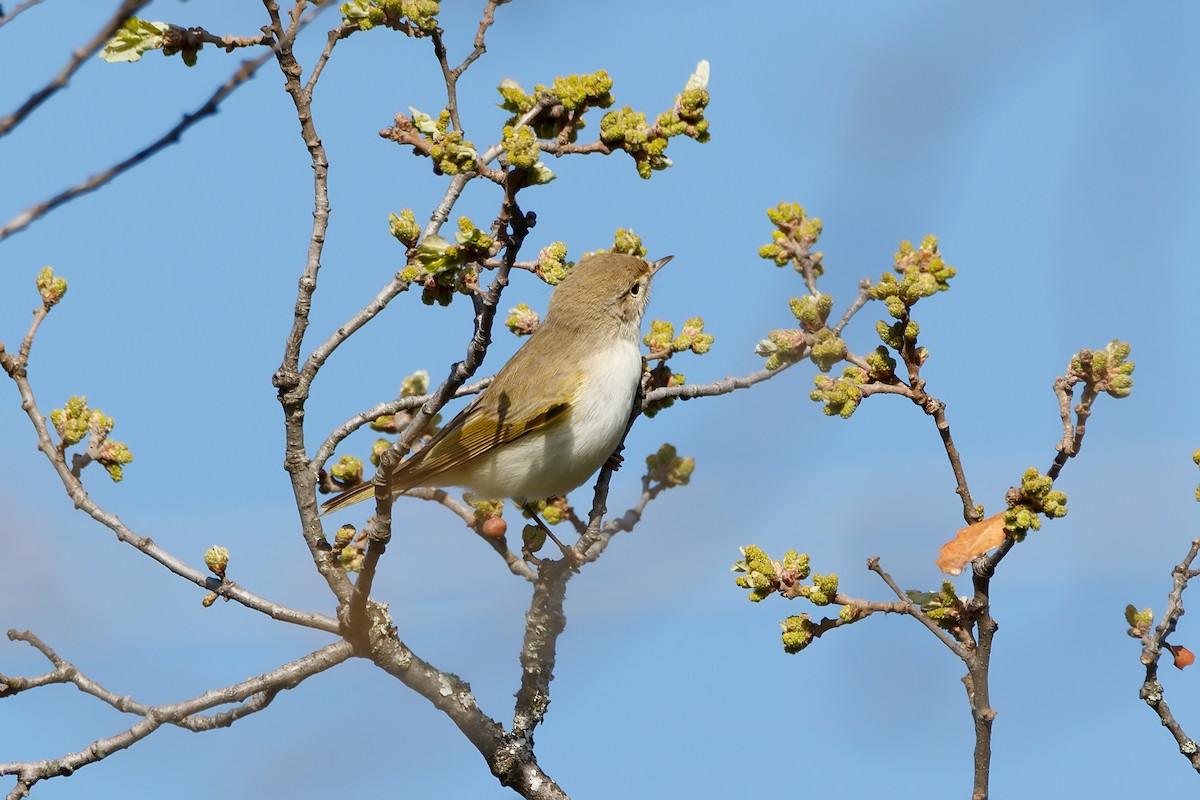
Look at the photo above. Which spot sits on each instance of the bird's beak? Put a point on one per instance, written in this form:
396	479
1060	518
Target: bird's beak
655	266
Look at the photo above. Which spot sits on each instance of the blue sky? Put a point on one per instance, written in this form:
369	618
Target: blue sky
1051	147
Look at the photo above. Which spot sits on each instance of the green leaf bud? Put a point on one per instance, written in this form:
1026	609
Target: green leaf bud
51	287
404	227
797	633
216	558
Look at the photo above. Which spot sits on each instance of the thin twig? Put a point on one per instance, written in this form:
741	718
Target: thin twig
286	676
864	294
713	389
339	434
127	9
10	16
66	672
146	546
94	182
1152	644
915	611
293	392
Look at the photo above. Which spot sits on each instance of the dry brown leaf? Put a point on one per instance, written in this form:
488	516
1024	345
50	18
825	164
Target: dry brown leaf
970	543
1183	656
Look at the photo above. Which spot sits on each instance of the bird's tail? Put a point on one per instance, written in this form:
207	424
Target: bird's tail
348	498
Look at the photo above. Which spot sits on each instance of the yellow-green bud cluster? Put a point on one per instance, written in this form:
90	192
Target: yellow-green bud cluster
1140	622
344	536
366	14
882	367
404	227
758	573
416	384
523	153
827	349
485	509
445	265
693	337
795	567
552	264
216	558
351	558
552	511
1106	370
667	468
1036	495
782	346
1196	461
627	130
521	146
76	421
574	95
113	456
899	333
943	606
660	377
841	396
627	242
349	546
347	470
378	448
51	287
794	235
822	592
923	273
663	342
522	320
686	117
72	421
659	339
811	310
797	633
451	153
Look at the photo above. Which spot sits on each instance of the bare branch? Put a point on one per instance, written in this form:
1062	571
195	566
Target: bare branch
467	514
293	391
66	672
724	386
84	502
1153	642
127	9
284	677
10	16
209	107
860	300
915	611
326	450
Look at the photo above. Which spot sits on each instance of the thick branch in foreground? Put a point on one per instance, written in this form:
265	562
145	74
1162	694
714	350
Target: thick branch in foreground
509	757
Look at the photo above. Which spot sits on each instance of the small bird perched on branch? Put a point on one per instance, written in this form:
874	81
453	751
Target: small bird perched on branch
557	410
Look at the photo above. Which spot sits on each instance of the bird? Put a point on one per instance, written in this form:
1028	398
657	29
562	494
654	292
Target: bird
558	409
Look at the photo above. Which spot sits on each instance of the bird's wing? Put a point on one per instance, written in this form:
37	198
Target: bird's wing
495	418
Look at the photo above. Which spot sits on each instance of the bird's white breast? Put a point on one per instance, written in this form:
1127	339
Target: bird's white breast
561	457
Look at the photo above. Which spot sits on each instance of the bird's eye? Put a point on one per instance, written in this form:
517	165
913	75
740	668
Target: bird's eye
636	289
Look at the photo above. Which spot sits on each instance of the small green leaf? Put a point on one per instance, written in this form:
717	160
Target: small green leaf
135	37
